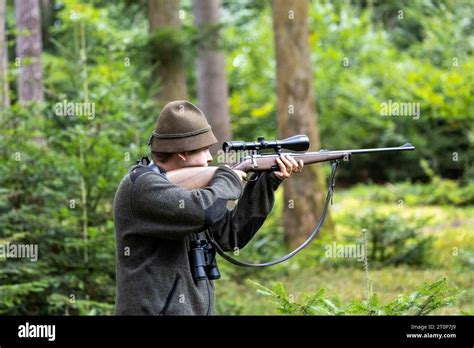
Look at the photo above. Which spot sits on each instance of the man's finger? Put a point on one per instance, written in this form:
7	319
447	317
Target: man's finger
281	165
293	163
283	169
287	163
301	165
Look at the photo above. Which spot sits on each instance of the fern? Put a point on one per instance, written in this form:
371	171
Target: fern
426	299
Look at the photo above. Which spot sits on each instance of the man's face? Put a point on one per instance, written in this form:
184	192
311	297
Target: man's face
197	158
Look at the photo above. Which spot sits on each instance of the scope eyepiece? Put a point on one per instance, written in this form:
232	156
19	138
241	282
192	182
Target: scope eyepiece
294	143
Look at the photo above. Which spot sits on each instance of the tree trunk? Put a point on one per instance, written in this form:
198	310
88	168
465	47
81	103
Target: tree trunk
303	193
28	50
168	71
211	75
47	12
4	96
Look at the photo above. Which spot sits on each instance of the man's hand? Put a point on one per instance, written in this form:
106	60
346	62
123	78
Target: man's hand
242	175
288	165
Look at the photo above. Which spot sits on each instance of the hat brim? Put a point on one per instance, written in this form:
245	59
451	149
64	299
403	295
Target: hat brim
194	142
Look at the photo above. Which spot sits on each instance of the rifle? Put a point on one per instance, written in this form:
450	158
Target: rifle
199	177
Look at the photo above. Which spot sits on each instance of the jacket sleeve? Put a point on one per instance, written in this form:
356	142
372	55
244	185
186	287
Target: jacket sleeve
164	210
241	223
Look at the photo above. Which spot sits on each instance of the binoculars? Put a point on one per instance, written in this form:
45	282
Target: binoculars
203	260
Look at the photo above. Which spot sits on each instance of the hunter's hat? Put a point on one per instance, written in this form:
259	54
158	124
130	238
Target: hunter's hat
181	127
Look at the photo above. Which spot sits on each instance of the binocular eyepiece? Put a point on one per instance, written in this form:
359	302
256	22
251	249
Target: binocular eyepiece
294	143
203	260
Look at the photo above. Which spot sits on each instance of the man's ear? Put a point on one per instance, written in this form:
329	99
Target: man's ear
182	156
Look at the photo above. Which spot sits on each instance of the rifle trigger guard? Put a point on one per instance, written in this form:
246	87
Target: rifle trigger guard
256	178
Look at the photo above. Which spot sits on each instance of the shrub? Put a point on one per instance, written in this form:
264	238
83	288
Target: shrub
393	239
437	191
424	300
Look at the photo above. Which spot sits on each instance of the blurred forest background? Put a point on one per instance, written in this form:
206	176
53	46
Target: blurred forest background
257	68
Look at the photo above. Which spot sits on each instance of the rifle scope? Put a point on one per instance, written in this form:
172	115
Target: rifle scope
294	143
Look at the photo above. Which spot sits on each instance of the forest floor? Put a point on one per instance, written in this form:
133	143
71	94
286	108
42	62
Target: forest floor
451	257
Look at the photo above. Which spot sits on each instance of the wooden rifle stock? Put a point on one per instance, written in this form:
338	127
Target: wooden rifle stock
192	178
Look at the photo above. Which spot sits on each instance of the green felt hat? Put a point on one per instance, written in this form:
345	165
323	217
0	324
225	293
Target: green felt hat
181	127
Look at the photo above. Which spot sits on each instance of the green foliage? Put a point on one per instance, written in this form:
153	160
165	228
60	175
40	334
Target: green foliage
427	298
392	239
363	57
57	191
438	191
250	71
42	205
229	307
357	67
171	43
267	245
449	255
467	259
61	304
14	295
58	174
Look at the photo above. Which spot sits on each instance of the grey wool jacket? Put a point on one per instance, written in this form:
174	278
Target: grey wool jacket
154	222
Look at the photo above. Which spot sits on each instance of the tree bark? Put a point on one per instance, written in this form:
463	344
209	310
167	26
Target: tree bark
169	72
303	193
47	12
4	86
211	74
28	50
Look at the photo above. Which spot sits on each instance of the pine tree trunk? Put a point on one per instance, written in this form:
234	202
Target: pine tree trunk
303	193
169	73
211	75
47	12
28	50
4	88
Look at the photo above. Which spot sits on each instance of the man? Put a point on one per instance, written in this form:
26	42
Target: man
156	222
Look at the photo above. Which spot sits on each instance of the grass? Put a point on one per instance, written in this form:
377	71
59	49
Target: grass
453	235
347	283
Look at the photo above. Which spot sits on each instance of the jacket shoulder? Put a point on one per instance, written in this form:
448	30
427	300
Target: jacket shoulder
138	171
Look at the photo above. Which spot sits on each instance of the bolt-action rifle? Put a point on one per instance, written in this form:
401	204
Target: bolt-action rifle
199	177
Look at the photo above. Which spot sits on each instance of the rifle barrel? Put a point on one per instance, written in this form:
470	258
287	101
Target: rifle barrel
405	147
